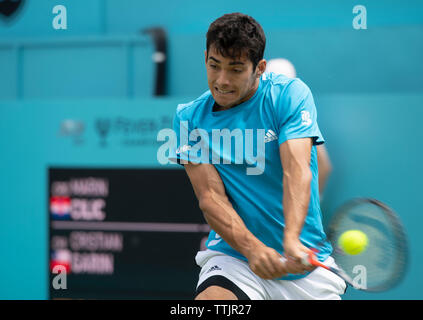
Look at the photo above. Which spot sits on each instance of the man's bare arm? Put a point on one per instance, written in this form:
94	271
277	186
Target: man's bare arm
222	218
217	209
295	156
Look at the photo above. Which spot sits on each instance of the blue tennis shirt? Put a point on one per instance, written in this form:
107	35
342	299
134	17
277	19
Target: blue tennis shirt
243	144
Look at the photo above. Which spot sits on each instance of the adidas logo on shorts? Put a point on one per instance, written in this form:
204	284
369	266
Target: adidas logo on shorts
214	268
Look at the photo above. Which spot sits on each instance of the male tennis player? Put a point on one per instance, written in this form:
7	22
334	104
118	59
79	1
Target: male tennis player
257	216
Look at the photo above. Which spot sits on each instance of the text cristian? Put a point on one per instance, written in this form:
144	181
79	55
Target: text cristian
249	146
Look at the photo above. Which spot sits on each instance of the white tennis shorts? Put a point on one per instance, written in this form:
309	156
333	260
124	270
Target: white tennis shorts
320	284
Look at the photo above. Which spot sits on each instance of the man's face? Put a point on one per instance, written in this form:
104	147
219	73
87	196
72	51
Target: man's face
232	80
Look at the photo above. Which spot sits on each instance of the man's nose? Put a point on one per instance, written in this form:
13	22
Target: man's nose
223	79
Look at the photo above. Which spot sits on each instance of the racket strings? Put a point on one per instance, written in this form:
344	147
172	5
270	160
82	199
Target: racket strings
381	264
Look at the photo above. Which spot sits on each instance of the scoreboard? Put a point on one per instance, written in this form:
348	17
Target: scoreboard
123	233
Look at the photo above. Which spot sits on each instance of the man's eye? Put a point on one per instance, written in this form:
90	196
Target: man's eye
237	70
213	66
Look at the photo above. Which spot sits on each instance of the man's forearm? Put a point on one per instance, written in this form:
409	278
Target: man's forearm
223	219
296	199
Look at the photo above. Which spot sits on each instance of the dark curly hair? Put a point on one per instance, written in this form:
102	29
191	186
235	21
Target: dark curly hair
234	33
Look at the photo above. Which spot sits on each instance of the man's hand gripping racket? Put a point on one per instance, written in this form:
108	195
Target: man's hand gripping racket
310	259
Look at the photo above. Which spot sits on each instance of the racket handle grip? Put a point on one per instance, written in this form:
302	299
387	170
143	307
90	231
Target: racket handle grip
305	259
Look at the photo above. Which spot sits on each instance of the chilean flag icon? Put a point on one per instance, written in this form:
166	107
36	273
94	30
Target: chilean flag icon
61	257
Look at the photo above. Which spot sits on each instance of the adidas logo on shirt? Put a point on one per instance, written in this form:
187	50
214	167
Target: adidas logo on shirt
183	149
214	268
270	136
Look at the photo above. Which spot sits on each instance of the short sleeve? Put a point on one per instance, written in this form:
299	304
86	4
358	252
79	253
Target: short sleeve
296	113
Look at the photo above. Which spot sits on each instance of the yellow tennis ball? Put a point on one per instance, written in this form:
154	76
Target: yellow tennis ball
353	242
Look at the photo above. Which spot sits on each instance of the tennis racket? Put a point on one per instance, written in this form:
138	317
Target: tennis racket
382	265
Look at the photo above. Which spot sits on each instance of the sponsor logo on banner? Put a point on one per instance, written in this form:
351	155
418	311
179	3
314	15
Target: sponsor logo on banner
73	129
130	132
103	128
